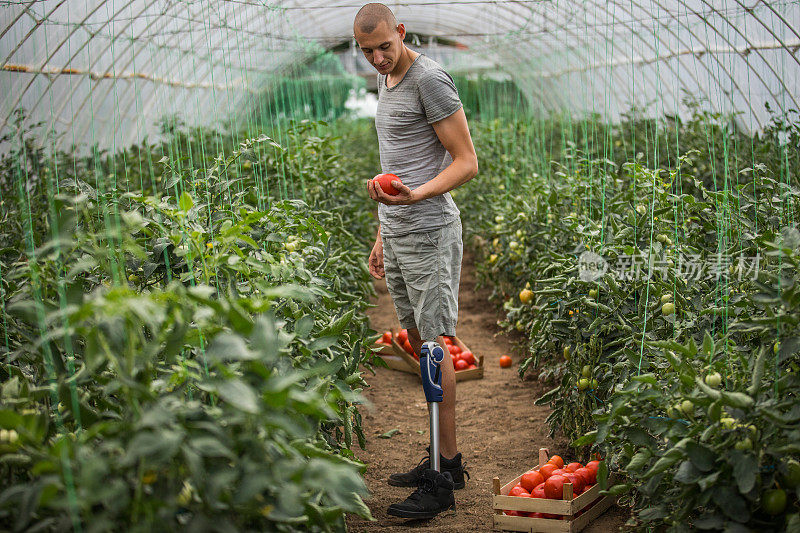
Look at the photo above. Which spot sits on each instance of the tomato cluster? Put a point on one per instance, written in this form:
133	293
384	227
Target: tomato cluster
548	482
462	359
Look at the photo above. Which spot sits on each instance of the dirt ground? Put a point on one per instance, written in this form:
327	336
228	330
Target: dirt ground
499	428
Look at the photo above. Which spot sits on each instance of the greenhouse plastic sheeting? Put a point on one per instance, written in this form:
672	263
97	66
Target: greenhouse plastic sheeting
106	72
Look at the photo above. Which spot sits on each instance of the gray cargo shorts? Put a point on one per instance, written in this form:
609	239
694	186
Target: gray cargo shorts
423	271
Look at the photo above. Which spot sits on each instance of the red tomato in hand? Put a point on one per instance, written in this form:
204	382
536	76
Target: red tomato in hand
402	336
468	357
460	364
554	487
531	480
385	183
387	338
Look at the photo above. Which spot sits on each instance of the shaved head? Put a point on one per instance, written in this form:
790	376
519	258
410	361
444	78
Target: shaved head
370	16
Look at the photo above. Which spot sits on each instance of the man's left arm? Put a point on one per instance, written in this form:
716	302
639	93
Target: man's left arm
453	133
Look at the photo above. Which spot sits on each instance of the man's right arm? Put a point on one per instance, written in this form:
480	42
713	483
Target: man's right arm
376	257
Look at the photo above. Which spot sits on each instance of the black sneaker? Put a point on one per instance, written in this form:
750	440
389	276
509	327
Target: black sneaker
433	495
455	467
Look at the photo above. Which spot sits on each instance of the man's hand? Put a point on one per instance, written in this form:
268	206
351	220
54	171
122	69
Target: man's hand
376	260
405	196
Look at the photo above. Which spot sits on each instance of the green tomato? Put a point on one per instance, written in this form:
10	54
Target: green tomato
727	423
583	384
773	501
665	298
661	238
713	380
744	444
566	353
586	371
792	477
499	218
776	348
593	293
594	384
668	308
672	412
687	407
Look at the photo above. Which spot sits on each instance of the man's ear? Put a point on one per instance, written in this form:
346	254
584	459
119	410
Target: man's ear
402	31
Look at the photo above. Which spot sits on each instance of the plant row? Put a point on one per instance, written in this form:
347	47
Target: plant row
182	334
660	293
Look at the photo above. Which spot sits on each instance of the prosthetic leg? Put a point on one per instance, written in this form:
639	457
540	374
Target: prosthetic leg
430	360
434	492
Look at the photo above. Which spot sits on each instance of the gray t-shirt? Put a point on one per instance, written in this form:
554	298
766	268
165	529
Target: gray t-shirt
409	147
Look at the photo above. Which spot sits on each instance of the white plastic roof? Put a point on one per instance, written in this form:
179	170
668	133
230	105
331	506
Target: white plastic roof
104	71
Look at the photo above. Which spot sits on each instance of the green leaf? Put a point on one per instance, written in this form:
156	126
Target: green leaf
321	343
638	460
687	473
389	434
185	202
737	399
588	438
731	503
239	394
701	457
708	344
230	347
745	470
303	326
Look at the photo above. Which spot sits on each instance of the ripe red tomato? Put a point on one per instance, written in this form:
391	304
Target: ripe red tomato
407	347
470	367
559	472
573	467
587	475
385	183
448	341
387	338
593	466
460	364
547	470
402	336
505	361
577	482
517	490
538	491
454	350
554	487
531	480
468	357
557	460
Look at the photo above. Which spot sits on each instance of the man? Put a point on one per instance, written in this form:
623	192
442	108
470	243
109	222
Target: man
424	139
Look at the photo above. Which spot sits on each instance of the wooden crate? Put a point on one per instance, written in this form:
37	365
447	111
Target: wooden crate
405	363
568	507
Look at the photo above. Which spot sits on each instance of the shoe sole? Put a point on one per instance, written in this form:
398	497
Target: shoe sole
395	483
419	515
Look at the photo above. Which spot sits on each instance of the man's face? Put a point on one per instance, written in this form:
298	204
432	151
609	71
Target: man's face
383	46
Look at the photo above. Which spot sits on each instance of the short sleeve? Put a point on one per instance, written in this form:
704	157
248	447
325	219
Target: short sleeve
438	95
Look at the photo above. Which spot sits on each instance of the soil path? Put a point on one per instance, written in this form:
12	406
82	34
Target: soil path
500	430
